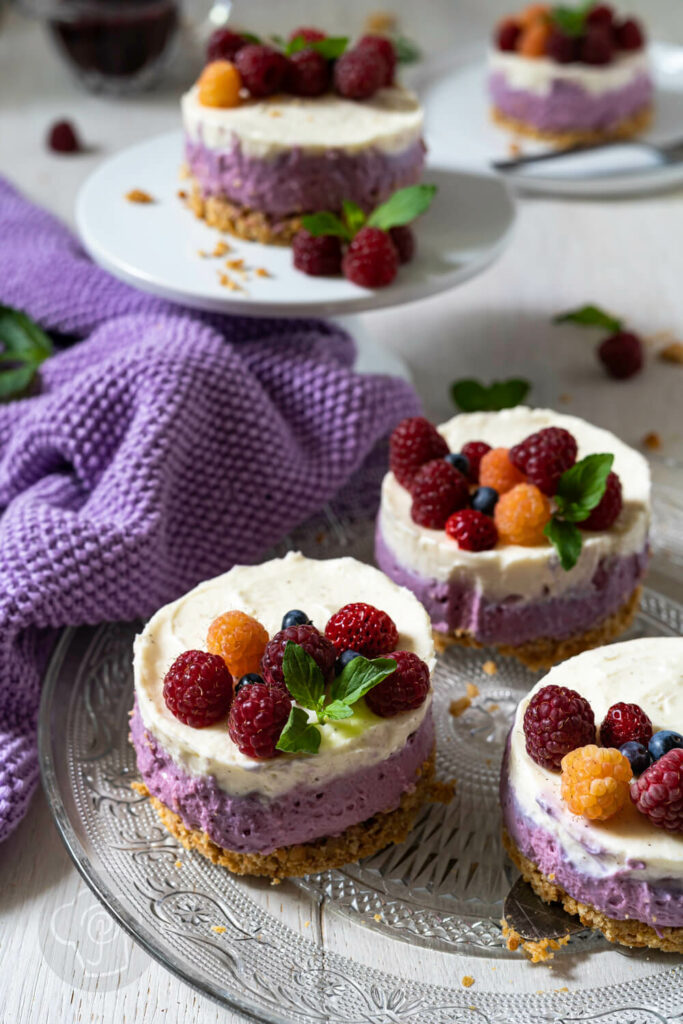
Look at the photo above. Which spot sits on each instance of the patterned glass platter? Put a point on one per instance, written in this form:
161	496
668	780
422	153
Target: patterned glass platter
387	940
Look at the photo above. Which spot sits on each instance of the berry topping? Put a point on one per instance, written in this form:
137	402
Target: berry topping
460	461
371	260
472	530
219	85
544	457
658	793
308	74
601	14
224	44
438	490
404	242
622	355
248	680
595	781
62	138
521	516
239	640
474	452
358	74
404	690
561	48
608	508
258	715
624	723
319	256
382	49
308	33
198	688
557	720
629	35
638	756
507	35
414	442
597	46
484	500
295	617
664	741
312	641
262	68
363	629
343	660
496	470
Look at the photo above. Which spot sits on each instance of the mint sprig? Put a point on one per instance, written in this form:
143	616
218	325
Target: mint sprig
590	316
566	539
579	491
407	52
326	223
571	20
401	208
24	347
472	396
299	736
330	48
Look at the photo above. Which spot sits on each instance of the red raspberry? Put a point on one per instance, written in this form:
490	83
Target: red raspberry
198	688
624	723
608	508
258	715
308	74
358	74
224	44
311	35
414	442
62	138
621	354
312	641
597	46
629	35
561	48
658	793
405	689
263	69
557	720
382	49
404	241
371	260
556	440
507	35
438	490
362	628
474	451
472	530
320	257
601	14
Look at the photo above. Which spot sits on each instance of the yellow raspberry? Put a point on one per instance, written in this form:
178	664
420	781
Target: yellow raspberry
219	85
534	38
595	781
240	640
521	516
496	470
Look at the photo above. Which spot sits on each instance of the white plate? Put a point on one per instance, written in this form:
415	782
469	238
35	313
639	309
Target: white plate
461	133
155	246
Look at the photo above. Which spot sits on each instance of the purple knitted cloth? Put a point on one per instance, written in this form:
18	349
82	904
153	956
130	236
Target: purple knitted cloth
164	447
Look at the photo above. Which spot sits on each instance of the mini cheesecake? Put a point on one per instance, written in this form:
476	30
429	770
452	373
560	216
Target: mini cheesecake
290	814
623	875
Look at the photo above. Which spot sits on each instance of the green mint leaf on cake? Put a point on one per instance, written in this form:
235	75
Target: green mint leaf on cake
567	540
331	47
337	710
407	52
358	677
299	736
254	40
24	347
473	396
571	20
403	207
325	223
590	316
582	486
303	677
353	215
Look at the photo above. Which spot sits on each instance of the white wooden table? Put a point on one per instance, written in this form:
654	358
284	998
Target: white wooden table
62	958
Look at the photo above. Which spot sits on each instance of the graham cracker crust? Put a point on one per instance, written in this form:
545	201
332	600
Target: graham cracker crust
626	933
253	225
353	844
544	652
624	129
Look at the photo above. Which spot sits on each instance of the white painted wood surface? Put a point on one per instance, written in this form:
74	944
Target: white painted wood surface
62	959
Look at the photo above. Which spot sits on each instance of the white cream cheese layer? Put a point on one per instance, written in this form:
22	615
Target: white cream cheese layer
647	672
267	591
529	573
537	74
390	121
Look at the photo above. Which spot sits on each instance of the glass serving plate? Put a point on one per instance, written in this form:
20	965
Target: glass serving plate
411	919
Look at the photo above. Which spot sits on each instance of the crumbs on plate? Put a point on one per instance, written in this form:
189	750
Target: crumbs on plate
138	195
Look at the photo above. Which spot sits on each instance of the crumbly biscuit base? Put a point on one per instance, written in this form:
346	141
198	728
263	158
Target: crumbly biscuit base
255	226
544	652
355	842
626	933
627	128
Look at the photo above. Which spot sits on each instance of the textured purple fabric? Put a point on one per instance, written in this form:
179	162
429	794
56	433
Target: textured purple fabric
163	448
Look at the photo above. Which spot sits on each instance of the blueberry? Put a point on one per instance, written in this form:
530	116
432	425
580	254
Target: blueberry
638	756
343	660
460	462
484	500
295	618
664	741
251	677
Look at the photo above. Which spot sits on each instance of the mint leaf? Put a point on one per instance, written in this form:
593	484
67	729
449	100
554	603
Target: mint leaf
589	316
325	223
571	20
407	52
353	215
473	396
582	486
294	45
251	38
303	678
404	206
25	346
337	710
331	47
359	676
299	736
566	538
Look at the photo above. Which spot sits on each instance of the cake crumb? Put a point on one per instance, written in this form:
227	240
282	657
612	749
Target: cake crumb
459	706
181	193
221	248
235	264
307	924
539	952
514	149
472	691
138	195
218	928
493	707
672	353
565	398
490	668
227	282
262	272
380	23
378	917
467	981
652	441
563	989
178	863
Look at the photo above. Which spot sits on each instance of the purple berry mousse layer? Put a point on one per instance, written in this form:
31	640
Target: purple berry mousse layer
456	606
618	895
295	182
568	107
254	824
